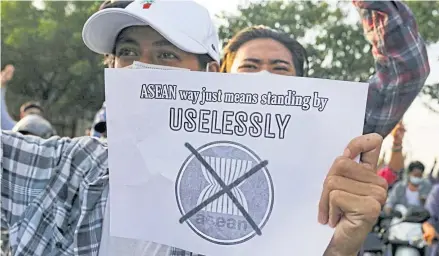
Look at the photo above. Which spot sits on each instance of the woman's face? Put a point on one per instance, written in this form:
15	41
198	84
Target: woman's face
263	54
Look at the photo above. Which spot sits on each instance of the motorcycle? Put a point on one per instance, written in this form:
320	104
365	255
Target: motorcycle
399	233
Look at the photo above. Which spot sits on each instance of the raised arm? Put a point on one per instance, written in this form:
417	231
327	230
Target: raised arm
396	162
7	122
401	62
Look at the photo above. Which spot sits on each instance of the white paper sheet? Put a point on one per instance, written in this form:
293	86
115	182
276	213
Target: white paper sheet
156	179
120	246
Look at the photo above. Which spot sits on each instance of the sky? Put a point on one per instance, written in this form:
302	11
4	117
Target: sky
422	136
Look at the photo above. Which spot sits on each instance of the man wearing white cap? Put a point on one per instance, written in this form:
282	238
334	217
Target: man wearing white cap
155	34
55	191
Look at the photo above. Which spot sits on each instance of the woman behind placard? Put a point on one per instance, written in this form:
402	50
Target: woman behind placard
391	90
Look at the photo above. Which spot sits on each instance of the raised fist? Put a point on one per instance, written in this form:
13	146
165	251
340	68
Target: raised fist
398	133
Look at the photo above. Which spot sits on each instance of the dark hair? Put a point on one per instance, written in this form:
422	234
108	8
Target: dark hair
31	104
416	165
203	60
300	57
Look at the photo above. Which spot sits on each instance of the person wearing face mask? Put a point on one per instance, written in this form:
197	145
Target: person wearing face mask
410	192
401	60
58	205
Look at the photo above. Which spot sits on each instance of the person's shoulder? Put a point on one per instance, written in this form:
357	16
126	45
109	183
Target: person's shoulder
87	145
66	145
91	144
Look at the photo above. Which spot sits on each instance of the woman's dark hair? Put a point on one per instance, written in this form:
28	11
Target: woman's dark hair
416	165
203	59
300	57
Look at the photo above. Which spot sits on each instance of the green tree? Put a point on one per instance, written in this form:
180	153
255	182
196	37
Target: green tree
339	50
52	63
427	15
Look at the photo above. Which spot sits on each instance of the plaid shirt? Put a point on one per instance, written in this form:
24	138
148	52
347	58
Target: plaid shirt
54	191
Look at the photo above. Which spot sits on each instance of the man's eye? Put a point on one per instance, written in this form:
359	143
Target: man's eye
281	68
167	55
248	66
126	52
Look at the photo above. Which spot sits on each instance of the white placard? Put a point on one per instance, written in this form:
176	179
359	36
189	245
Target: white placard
225	164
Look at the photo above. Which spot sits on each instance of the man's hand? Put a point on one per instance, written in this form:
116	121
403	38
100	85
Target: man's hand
398	134
429	232
353	195
6	75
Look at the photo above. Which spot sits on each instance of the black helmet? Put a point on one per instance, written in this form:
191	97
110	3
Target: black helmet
34	125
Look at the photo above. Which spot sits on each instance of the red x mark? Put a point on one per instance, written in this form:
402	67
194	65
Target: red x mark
146	6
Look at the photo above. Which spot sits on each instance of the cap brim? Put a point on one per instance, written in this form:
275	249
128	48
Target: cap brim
102	28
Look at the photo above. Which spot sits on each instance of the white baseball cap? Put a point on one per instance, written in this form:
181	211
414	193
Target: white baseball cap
184	23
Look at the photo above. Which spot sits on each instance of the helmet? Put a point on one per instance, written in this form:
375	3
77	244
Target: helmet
36	125
100	122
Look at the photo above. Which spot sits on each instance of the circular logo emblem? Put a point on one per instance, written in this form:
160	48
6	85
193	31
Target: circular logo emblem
224	192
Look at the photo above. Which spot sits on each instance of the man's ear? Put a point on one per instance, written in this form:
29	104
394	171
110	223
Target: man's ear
109	60
213	67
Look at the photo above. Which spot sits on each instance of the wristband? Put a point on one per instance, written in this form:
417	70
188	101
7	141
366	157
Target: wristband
396	149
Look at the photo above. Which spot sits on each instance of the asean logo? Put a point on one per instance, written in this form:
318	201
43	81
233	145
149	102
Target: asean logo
224	192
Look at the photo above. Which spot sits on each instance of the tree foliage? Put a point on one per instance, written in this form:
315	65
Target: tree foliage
52	63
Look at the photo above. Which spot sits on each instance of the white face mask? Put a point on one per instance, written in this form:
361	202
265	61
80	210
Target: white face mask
415	180
141	65
262	72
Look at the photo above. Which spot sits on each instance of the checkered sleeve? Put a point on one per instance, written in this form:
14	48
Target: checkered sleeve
401	62
179	252
27	165
49	184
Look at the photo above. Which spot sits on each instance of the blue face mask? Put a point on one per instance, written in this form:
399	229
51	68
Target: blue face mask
415	180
